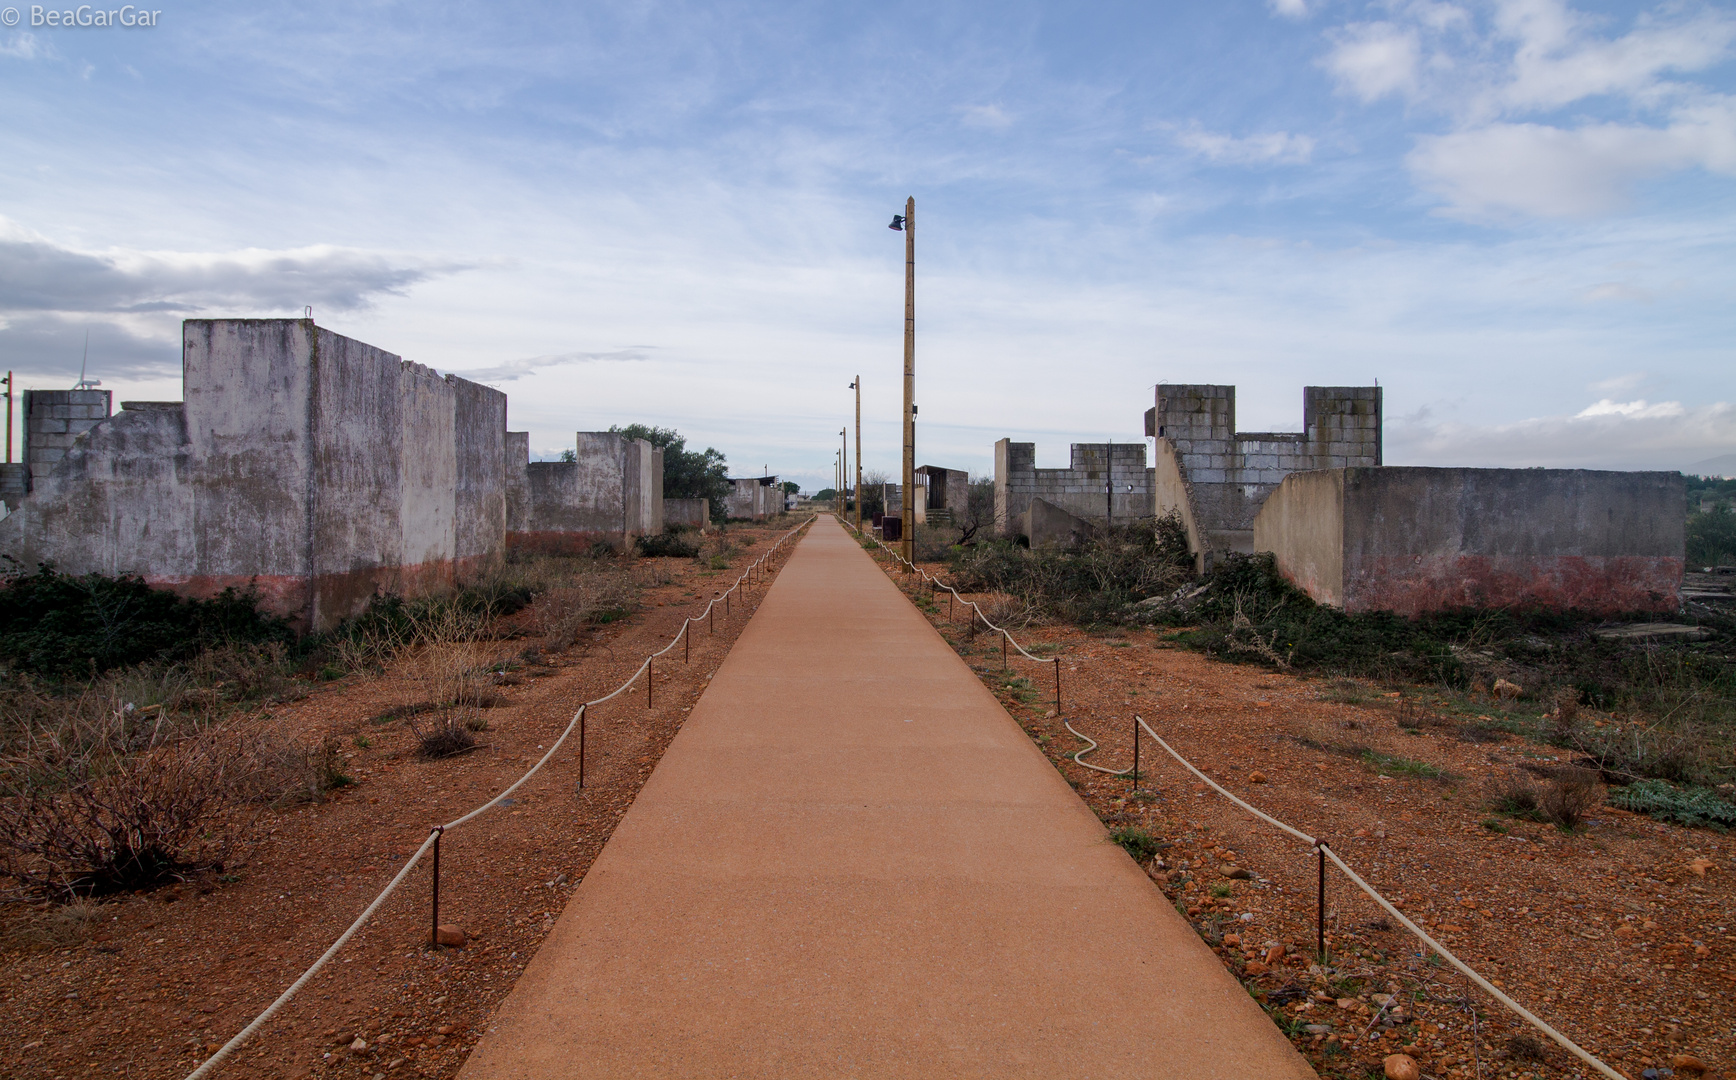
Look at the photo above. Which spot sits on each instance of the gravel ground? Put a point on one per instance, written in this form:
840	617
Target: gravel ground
152	983
1621	934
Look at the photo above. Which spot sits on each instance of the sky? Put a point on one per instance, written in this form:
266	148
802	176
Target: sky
1517	215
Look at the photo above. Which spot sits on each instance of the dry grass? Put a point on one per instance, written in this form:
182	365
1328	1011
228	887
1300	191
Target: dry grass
1563	800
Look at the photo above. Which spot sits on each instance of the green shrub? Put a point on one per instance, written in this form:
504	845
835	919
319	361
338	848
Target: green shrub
1696	807
61	626
1098	583
1137	842
670	544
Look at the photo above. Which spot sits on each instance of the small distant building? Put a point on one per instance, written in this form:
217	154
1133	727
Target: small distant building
754	498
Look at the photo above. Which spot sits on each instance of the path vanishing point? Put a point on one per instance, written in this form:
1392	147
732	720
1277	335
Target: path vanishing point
851	862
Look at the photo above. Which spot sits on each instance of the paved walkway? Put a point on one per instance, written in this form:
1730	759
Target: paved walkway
852	863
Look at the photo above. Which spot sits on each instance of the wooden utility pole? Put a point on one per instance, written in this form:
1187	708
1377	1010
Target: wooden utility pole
855	385
844	507
9	416
907	545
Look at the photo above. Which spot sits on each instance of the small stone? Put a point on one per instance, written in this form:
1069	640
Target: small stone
1236	873
1348	1003
1257	777
443	1029
1318	1029
1050	715
1507	691
1255	967
1360	833
1232	940
451	935
1401	1067
1700	866
1274	954
359	1045
1688	1063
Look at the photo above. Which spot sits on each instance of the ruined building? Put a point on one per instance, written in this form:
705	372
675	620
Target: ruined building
754	498
312	467
610	493
1105	482
1217	478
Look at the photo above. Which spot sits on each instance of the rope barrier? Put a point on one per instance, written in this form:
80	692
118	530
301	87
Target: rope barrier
1316	846
210	1064
1386	905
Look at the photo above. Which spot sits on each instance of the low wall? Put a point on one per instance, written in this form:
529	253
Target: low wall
1080	489
690	513
1410	540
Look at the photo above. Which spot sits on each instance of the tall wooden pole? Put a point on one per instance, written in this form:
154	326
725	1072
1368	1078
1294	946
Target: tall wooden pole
844	506
858	385
907	546
9	415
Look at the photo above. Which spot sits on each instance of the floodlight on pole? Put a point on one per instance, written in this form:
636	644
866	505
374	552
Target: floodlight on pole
906	223
856	385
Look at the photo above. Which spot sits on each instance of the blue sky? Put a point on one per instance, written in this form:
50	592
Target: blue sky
1518	215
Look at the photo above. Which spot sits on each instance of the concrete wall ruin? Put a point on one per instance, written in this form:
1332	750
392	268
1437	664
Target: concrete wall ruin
754	498
611	492
688	513
313	467
1218	478
1080	489
1411	540
946	494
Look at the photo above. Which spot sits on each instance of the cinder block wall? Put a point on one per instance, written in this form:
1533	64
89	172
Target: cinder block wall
1078	489
53	419
1411	540
613	491
692	513
1218	478
312	467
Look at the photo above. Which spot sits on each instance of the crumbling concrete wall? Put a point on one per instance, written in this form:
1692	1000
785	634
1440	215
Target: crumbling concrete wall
517	483
1411	540
611	492
754	498
1047	525
688	513
53	420
1218	478
1082	490
312	467
946	493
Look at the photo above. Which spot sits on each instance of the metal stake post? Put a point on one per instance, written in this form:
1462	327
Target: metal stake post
1136	753
650	672
687	642
434	924
1057	663
1320	910
1003	650
581	747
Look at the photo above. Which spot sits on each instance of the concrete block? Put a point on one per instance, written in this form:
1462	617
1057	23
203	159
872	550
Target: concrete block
46	426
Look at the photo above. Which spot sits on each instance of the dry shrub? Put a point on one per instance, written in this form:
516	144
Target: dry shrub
1563	800
457	673
600	595
96	821
50	926
447	736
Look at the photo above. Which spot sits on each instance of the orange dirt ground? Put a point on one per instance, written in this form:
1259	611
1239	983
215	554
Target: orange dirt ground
1610	933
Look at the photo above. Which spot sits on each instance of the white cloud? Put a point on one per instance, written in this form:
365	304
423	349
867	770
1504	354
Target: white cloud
518	369
1372	60
1275	147
1291	9
1557	172
1554	65
1619	291
991	117
1607	435
23	46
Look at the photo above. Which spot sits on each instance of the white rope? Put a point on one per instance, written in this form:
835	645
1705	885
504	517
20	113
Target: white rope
1079	755
210	1064
1566	1043
973	606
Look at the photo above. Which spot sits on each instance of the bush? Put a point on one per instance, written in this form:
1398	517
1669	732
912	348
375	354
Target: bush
1099	583
1563	801
448	736
1137	842
61	626
671	544
1696	807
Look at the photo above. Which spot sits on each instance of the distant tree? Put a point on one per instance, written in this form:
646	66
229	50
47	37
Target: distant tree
687	474
791	487
873	494
825	494
569	455
979	515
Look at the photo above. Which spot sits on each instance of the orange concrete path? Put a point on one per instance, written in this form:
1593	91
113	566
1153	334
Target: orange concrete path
852	863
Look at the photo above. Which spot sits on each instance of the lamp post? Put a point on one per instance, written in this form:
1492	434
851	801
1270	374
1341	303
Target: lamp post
9	417
844	489
907	223
856	385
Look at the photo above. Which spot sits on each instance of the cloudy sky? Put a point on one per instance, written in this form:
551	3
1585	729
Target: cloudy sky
1518	215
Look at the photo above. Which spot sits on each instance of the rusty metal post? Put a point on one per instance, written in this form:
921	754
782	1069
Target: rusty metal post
582	712
1136	753
1320	909
1057	663
687	642
434	923
650	677
1003	650
711	613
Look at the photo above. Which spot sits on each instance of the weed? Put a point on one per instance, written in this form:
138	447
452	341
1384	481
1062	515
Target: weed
670	544
1137	842
446	737
363	742
1390	765
1525	1048
1496	825
1563	801
1221	891
1694	807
